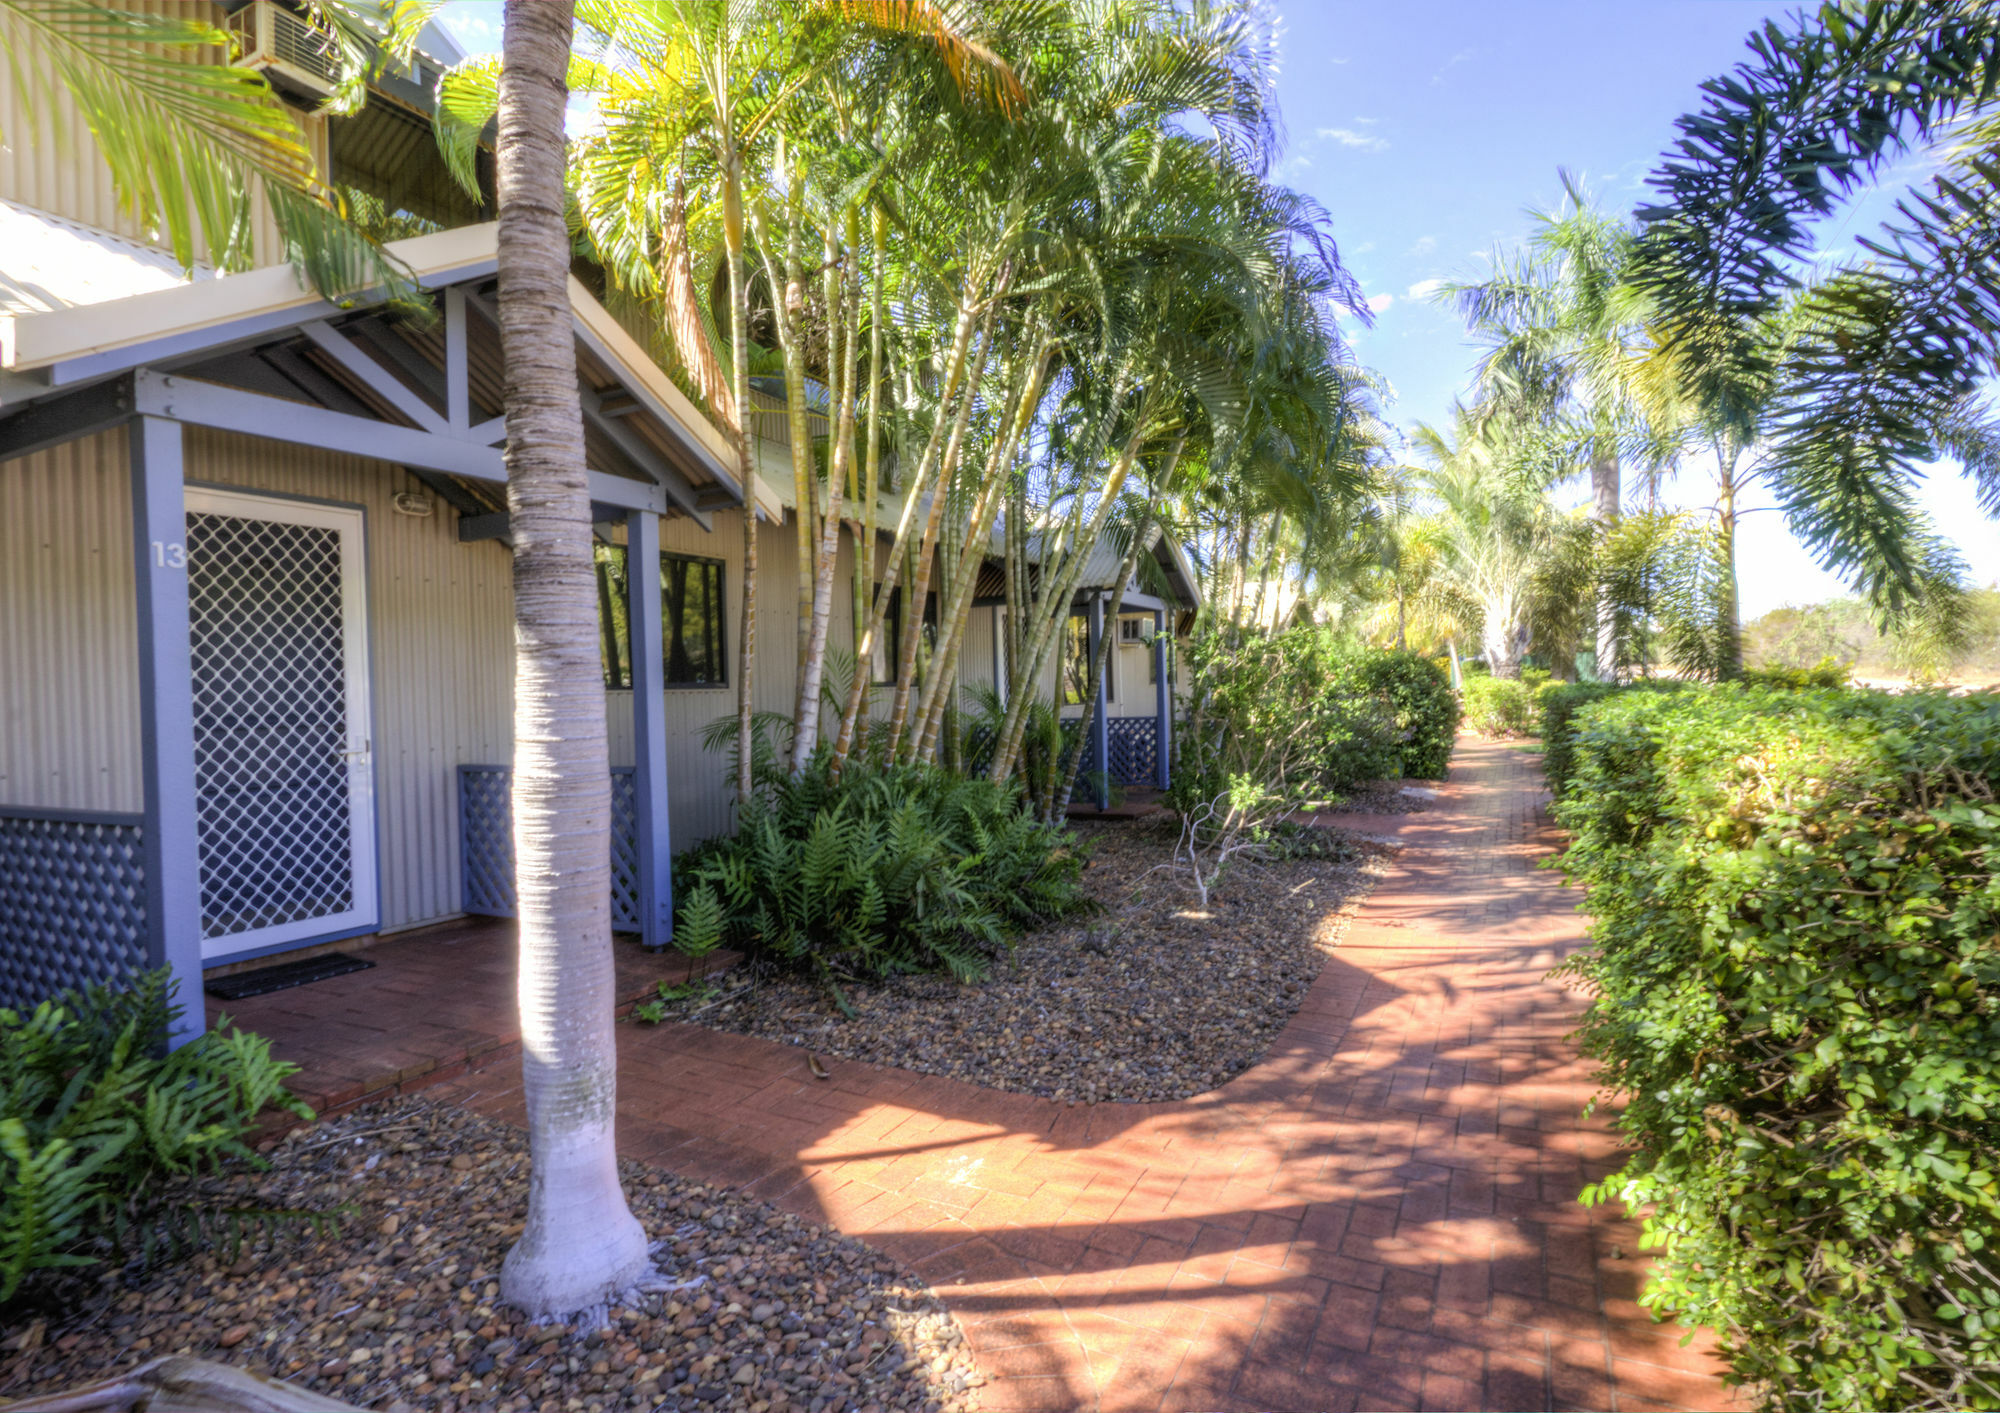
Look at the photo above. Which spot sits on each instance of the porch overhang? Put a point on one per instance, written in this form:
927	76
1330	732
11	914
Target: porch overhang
259	355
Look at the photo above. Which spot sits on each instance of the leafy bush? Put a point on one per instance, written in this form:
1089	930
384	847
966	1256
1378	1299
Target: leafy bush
1422	706
97	1120
1556	706
1827	672
1796	978
1499	706
890	869
1322	712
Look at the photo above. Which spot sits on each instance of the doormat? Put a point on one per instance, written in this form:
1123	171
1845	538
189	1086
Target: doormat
264	980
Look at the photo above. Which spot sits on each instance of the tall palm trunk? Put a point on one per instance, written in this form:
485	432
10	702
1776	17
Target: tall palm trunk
1728	610
1604	477
842	348
746	461
580	1244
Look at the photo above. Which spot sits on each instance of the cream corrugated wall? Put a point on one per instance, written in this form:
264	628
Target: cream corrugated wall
440	639
69	657
49	160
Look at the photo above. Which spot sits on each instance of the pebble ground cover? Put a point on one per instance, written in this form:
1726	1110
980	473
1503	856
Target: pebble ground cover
400	1309
1150	999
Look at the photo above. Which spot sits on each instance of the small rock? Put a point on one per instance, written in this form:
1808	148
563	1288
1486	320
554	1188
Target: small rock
744	1373
462	1163
234	1336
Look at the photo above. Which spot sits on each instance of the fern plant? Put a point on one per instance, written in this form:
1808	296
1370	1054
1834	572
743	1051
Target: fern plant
887	870
100	1124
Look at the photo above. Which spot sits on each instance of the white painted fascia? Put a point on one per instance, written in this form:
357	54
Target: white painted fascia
36	340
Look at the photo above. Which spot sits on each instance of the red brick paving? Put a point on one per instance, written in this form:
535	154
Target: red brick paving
1380	1215
438	1001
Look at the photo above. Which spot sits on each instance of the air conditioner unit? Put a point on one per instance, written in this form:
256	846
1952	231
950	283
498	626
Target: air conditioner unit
293	54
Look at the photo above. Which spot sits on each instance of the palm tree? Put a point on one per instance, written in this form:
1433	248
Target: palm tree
190	144
1563	327
1491	540
1885	373
581	1243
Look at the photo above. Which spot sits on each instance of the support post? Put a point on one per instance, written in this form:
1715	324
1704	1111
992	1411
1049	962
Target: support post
1100	725
1163	704
166	714
649	729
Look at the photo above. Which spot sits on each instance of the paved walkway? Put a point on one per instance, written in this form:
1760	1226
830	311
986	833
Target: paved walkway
1381	1215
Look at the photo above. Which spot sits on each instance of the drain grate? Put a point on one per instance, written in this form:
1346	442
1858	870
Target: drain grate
282	977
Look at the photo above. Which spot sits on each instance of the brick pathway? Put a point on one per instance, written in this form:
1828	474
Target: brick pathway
1379	1216
438	1001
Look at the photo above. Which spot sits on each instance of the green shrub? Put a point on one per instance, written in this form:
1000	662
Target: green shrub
890	869
1422	707
1499	706
1796	987
1829	671
97	1120
1556	706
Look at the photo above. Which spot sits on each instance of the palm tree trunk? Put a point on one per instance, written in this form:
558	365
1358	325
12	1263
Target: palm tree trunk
746	463
912	492
1728	610
841	351
580	1244
1604	480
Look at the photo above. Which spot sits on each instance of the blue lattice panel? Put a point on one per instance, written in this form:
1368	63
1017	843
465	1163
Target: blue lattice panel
72	902
1134	745
976	756
486	839
624	849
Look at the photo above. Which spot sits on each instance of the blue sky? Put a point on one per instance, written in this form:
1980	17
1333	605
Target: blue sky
1429	128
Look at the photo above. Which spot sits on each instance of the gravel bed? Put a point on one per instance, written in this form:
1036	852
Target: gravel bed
400	1309
1151	999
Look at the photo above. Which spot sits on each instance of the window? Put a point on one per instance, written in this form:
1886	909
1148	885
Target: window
887	653
1133	630
1076	665
692	620
888	647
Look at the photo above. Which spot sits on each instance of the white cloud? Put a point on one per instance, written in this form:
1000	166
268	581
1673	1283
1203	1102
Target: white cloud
1462	56
1348	137
1379	302
1425	245
1423	289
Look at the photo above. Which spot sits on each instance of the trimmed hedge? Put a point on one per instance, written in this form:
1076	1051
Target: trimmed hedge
1499	706
1422	706
1796	982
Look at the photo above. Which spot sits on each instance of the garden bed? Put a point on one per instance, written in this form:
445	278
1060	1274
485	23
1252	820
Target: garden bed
400	1308
1150	999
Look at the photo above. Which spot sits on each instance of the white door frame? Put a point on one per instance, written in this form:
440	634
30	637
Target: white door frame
348	522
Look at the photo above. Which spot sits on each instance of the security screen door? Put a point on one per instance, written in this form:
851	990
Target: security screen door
284	779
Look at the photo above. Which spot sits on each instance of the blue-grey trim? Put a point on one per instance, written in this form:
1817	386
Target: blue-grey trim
228	409
339	935
53	421
690	447
493	525
217	338
1100	726
166	713
654	837
111	817
1163	704
614	430
372	375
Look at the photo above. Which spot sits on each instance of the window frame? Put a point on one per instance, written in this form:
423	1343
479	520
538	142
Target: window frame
614	626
